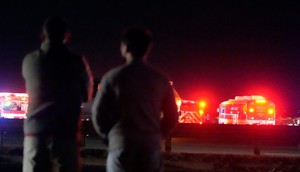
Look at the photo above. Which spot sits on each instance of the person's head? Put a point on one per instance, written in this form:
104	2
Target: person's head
55	30
135	42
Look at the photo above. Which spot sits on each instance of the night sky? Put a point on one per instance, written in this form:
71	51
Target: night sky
211	50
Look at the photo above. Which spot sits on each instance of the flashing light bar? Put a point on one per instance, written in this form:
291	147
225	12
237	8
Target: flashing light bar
260	101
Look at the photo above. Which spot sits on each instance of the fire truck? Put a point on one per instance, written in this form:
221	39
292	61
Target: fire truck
253	109
190	111
13	105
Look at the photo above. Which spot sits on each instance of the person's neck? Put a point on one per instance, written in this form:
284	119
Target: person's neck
51	42
131	59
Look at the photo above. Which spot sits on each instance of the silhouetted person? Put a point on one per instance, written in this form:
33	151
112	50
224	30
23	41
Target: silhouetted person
134	108
57	82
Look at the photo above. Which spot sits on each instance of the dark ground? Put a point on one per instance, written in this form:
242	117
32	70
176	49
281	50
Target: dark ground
18	168
94	160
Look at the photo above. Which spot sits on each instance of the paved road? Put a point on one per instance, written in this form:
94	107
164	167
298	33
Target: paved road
188	145
185	145
199	146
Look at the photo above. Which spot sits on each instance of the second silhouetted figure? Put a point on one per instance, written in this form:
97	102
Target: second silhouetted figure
134	108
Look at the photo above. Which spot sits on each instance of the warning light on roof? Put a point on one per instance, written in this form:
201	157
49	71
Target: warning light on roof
260	101
202	104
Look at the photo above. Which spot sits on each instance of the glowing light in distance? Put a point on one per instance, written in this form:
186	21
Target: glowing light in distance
202	104
251	110
178	103
260	101
201	112
271	111
7	103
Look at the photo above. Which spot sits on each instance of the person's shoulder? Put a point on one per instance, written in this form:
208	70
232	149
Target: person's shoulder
114	71
32	55
159	73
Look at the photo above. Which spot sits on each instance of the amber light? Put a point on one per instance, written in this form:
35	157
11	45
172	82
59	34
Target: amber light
201	112
251	110
178	103
202	104
271	111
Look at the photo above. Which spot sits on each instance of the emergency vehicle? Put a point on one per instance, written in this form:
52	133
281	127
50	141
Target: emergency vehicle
253	109
190	111
13	105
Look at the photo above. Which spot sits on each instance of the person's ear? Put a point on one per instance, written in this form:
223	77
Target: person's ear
42	36
123	46
124	49
67	37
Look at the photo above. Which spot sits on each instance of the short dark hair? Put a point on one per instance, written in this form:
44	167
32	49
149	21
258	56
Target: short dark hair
55	28
137	39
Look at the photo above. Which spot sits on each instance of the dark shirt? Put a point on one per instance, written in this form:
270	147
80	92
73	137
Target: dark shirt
55	78
135	106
